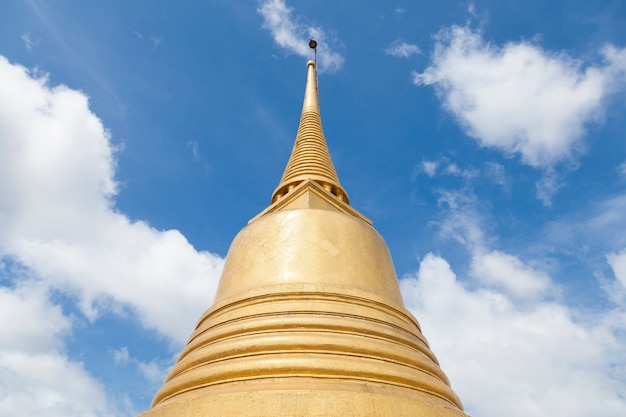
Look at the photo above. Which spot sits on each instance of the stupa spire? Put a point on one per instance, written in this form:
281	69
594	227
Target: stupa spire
310	158
308	319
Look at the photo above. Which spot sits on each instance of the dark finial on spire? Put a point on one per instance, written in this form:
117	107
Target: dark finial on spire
313	45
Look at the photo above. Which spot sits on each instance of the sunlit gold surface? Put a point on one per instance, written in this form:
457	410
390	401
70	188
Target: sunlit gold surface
310	158
308	320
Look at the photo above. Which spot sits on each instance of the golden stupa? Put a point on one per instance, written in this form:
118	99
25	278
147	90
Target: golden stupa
308	319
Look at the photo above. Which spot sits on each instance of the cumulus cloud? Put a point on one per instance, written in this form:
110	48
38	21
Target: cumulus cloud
58	217
520	98
401	49
58	223
502	322
36	325
506	358
36	377
520	280
48	384
291	34
510	275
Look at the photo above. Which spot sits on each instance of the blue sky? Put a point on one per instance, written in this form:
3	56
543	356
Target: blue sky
484	139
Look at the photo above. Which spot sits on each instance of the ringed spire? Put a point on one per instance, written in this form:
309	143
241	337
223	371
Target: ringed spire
310	158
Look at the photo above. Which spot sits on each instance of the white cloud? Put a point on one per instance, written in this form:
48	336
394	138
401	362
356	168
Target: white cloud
292	35
48	385
30	323
194	146
445	167
510	275
401	49
454	170
28	43
430	167
618	263
61	230
621	170
494	269
121	355
530	359
548	186
518	97
471	9
195	149
156	41
58	218
589	232
461	221
36	377
153	372
503	323
496	173
399	10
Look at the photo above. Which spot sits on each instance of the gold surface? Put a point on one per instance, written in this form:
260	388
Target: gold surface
310	158
308	320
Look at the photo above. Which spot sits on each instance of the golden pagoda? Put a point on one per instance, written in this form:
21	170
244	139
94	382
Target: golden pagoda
308	319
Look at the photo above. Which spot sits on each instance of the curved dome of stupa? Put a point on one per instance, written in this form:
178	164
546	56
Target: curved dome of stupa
308	319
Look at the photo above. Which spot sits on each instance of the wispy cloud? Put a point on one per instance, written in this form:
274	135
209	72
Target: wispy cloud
518	97
291	34
444	167
496	174
121	355
194	145
401	49
430	167
156	41
28	42
548	186
618	263
471	9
